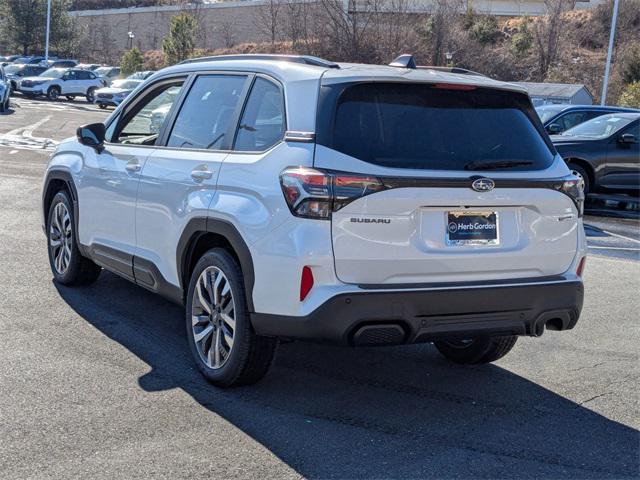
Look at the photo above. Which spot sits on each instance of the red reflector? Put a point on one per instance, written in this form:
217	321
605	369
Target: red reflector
306	282
580	269
454	86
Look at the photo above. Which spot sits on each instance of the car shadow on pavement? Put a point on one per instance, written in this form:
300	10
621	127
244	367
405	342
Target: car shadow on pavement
373	413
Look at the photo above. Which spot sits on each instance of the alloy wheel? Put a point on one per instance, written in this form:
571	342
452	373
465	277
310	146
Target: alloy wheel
213	319
60	238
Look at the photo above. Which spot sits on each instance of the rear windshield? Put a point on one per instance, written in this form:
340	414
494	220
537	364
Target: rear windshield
434	127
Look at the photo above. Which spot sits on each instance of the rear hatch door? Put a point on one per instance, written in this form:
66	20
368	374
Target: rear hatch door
468	186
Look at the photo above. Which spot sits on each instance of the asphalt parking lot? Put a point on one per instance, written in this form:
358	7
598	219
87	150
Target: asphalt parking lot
97	382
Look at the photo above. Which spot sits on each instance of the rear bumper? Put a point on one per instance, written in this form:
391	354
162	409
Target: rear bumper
392	317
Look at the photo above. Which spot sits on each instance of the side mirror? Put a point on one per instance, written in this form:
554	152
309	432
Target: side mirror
92	135
627	138
554	129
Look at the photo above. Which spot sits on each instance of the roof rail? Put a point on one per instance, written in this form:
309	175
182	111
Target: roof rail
303	59
461	71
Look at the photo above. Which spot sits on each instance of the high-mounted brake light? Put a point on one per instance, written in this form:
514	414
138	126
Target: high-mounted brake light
454	86
313	193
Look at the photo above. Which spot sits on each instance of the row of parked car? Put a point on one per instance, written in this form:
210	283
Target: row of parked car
33	76
601	143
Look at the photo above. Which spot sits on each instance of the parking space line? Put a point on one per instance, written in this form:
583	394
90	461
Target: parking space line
630	249
622	236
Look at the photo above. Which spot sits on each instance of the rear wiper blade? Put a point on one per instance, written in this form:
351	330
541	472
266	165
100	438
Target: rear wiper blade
490	165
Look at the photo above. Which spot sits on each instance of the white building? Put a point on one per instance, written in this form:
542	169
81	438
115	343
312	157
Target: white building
557	93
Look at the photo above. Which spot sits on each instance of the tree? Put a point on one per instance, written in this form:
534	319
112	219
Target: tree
440	27
179	44
23	21
267	20
630	96
547	33
23	26
631	64
522	40
132	61
485	30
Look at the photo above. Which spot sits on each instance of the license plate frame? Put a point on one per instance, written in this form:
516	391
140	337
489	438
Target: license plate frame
462	228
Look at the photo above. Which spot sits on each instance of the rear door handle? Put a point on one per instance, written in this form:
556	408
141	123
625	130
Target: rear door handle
132	167
200	175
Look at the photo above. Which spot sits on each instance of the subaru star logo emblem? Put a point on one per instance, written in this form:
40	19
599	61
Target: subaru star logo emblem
483	184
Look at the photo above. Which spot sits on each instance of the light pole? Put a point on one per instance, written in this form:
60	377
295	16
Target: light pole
46	41
612	35
131	37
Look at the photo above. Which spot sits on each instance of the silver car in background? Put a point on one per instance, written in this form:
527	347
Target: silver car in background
116	93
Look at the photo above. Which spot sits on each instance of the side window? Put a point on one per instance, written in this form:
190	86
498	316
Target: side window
91	75
262	122
69	75
207	112
570	120
142	126
594	114
82	75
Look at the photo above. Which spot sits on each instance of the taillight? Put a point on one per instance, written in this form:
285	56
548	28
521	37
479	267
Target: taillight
574	188
307	192
313	193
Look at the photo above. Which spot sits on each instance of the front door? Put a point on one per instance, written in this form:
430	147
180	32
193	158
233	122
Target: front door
109	186
622	169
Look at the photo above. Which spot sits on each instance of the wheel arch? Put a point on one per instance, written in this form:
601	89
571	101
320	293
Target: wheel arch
55	181
202	234
587	167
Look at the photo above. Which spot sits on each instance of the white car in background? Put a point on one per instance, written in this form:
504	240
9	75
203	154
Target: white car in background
55	82
116	93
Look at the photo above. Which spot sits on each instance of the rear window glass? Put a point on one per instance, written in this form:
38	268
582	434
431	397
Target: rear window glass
420	126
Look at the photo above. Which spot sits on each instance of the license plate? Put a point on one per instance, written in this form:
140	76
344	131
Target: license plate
472	228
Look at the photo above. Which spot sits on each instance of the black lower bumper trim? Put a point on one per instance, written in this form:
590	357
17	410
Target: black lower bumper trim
429	314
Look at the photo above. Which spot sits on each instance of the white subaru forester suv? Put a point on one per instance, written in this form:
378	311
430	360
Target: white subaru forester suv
70	82
291	197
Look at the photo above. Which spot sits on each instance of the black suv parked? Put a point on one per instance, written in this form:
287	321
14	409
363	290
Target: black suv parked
605	151
559	118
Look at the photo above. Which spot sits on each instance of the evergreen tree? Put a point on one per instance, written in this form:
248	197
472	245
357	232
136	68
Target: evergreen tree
180	42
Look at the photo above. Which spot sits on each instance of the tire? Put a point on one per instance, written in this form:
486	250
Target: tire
53	93
71	97
4	106
68	265
244	357
477	350
585	176
103	106
91	94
